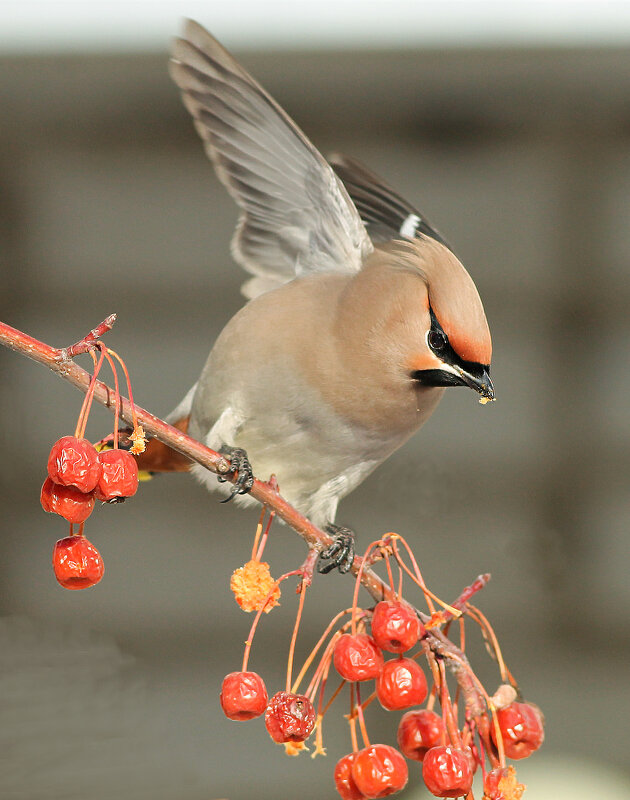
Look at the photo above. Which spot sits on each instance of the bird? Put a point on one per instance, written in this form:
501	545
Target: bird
359	314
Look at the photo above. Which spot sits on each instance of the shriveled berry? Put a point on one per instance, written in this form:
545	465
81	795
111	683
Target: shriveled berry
379	770
344	782
395	627
243	695
400	684
419	731
446	772
501	784
289	717
119	475
522	729
74	462
77	563
357	658
68	502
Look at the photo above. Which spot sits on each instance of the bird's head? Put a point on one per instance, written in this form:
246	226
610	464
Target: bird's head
449	344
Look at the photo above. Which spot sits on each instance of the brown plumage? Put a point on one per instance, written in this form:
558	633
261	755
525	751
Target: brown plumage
360	313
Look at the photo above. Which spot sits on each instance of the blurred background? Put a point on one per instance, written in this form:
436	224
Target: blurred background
510	128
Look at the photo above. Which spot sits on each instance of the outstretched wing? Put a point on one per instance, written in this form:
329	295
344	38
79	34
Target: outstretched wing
384	212
297	217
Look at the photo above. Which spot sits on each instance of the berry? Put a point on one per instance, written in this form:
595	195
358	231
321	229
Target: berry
446	772
344	782
357	658
68	502
289	717
501	784
379	770
77	563
522	730
119	475
419	731
243	695
395	627
74	462
401	684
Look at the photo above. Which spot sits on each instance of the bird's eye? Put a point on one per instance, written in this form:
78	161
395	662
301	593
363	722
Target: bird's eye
437	340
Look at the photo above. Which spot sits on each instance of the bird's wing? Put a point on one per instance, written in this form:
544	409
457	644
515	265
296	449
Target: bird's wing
384	212
297	217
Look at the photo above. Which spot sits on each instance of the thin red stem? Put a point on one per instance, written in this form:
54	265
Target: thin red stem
87	401
364	734
296	627
252	630
130	392
265	536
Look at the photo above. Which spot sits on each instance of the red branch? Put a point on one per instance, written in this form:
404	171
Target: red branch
59	360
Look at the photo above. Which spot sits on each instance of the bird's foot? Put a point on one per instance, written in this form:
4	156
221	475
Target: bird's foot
340	554
239	463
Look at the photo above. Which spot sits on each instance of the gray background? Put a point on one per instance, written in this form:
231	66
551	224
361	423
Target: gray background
522	159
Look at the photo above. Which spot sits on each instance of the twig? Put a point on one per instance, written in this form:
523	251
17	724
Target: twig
59	360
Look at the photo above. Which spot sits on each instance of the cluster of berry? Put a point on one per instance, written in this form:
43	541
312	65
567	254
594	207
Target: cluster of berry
78	475
449	753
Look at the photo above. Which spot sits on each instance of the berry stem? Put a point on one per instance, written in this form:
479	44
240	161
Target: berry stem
490	635
352	721
357	583
333	697
447	707
298	618
361	718
265	536
107	353
87	400
323	664
134	416
390	575
259	527
252	630
315	650
418	575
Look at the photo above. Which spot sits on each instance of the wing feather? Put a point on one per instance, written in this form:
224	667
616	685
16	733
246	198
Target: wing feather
296	215
384	212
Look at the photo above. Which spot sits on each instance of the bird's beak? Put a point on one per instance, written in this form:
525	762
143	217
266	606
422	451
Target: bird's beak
479	381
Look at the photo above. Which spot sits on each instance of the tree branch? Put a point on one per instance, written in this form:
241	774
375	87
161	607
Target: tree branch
59	360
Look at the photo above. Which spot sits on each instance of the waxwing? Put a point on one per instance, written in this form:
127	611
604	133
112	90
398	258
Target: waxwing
359	313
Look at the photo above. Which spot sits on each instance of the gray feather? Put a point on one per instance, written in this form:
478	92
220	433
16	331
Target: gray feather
297	217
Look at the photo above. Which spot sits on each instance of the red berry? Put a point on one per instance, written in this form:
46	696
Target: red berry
74	462
401	684
77	563
446	772
379	770
419	731
521	726
289	717
243	695
119	475
357	658
395	627
68	502
344	782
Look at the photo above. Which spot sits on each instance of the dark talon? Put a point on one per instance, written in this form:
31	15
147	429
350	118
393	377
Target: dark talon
340	554
239	463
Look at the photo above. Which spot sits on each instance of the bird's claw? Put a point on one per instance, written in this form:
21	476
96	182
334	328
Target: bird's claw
239	463
340	554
